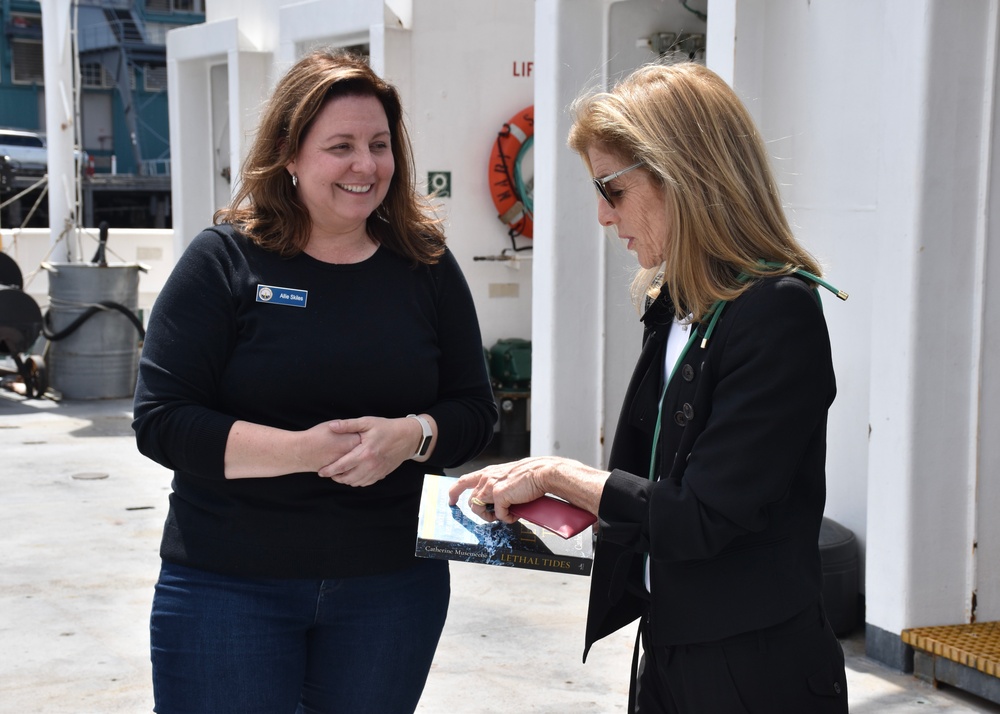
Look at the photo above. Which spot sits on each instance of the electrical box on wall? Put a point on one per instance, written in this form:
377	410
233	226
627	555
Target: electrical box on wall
676	46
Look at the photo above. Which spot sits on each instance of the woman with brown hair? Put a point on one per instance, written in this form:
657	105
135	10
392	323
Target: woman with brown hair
311	356
711	506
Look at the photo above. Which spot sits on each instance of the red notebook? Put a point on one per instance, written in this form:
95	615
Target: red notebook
562	518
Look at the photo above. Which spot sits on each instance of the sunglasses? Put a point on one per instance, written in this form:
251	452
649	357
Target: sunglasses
601	184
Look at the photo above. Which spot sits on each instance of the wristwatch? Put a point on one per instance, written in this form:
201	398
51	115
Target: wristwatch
426	441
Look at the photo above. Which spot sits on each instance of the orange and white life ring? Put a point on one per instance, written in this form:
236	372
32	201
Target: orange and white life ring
511	196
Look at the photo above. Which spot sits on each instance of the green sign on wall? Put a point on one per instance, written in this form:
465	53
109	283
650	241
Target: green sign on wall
439	183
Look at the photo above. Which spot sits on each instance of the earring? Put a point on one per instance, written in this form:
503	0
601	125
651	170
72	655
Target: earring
295	180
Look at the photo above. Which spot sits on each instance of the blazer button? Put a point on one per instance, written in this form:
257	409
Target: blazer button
688	411
687	372
680	419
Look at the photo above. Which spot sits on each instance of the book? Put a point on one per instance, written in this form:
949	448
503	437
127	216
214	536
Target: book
456	533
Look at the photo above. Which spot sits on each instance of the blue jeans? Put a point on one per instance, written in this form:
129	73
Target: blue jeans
354	645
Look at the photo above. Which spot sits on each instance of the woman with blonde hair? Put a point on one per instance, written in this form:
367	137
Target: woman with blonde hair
711	506
311	356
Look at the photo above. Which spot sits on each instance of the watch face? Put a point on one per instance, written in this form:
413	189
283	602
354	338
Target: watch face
423	446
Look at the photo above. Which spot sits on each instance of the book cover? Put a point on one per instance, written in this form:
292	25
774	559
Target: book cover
456	533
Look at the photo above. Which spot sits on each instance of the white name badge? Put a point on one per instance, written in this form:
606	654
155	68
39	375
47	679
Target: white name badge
282	296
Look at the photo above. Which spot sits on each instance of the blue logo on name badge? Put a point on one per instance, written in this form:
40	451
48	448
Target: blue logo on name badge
282	296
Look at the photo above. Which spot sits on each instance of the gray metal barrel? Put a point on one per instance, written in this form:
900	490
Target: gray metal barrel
99	359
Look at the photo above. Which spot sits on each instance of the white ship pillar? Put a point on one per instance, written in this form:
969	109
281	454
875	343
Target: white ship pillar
60	126
886	152
568	292
934	462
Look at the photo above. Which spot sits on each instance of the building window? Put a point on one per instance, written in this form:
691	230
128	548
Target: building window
155	79
94	76
192	6
27	65
156	32
25	25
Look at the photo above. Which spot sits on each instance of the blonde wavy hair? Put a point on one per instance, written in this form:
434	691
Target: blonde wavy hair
692	133
266	206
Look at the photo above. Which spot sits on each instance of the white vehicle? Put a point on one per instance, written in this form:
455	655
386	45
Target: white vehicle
26	151
28	154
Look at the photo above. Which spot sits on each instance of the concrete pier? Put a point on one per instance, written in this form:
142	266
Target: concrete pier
80	518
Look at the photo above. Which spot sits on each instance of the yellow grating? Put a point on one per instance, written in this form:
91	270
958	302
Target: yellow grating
976	645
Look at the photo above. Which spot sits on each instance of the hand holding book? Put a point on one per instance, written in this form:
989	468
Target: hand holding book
558	493
448	528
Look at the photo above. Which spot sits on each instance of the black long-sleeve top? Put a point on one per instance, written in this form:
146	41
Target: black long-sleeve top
375	338
730	523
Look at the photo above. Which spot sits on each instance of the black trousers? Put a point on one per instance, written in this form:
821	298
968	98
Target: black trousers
796	667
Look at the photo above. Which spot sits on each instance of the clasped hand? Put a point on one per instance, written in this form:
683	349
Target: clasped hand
381	446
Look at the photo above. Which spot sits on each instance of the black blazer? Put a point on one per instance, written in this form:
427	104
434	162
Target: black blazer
731	523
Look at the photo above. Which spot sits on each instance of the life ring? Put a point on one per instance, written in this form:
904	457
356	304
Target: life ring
512	198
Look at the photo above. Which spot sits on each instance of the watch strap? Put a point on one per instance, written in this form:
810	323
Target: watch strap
425	441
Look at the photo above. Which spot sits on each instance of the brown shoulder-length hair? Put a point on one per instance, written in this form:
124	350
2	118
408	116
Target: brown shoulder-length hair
266	206
692	133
